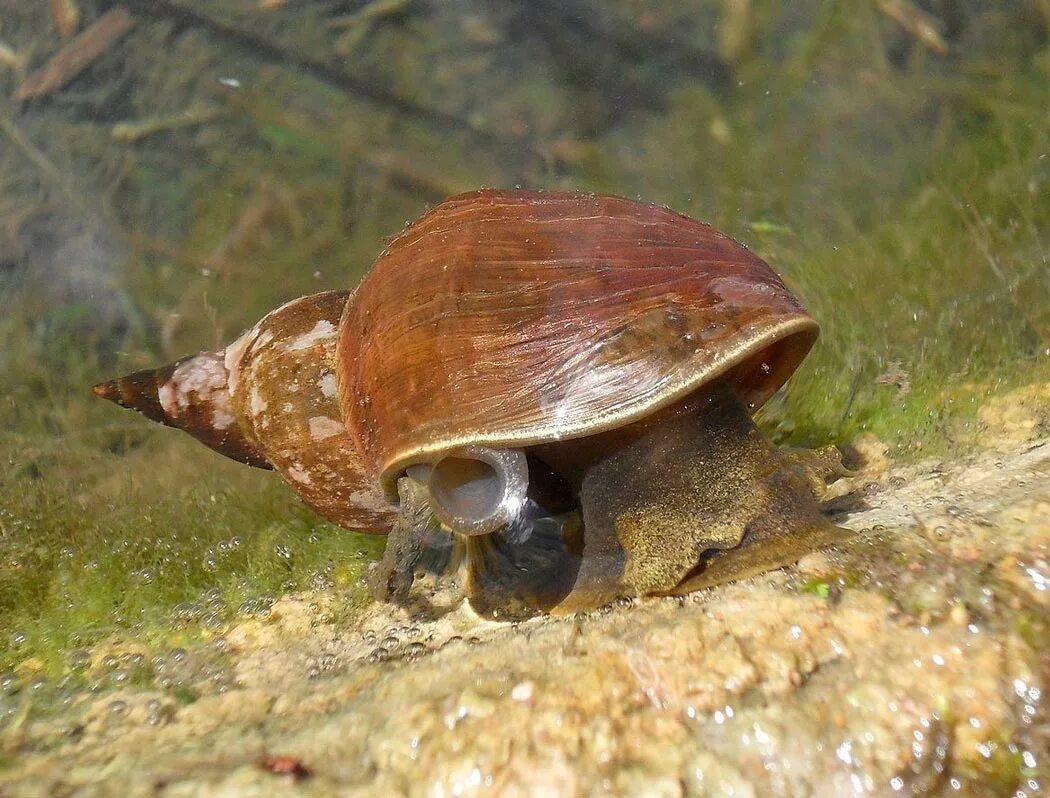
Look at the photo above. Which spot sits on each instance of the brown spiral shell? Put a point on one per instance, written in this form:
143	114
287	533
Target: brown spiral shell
512	318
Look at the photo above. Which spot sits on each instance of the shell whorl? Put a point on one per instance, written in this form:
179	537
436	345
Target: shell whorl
285	389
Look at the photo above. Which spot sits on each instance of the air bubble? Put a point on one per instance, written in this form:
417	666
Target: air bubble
414	650
145	575
212	621
320	580
79	659
283	551
155	712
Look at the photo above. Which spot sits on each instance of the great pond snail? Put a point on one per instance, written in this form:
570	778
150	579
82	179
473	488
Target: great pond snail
548	392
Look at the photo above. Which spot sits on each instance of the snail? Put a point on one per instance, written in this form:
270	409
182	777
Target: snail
549	393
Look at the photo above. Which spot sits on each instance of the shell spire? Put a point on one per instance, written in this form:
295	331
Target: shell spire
271	399
191	394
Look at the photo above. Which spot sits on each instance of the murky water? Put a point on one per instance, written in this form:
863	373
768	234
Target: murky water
172	170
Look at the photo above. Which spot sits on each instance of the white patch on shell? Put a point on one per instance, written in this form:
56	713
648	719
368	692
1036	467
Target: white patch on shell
287	407
256	404
329	385
221	415
204	375
321	332
264	338
299	474
233	356
166	394
322	427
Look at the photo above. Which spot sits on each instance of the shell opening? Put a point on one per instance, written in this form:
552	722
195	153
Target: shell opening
475	491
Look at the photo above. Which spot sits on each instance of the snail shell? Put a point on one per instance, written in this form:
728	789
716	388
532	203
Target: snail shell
512	318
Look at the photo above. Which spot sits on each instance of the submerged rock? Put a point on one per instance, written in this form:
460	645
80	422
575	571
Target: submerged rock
1015	418
911	659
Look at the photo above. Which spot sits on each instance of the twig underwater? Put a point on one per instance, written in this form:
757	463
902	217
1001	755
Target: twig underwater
76	56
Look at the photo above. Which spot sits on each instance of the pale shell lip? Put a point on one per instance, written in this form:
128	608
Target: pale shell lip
530	436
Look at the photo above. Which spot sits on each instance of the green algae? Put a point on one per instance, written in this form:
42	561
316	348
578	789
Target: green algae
905	199
109	527
817	587
831	585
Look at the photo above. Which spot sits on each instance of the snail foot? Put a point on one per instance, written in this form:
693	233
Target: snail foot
415	541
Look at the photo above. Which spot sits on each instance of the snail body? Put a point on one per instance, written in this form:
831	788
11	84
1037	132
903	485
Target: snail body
548	390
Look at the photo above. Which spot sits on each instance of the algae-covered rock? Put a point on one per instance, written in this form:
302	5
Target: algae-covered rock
1015	418
908	659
